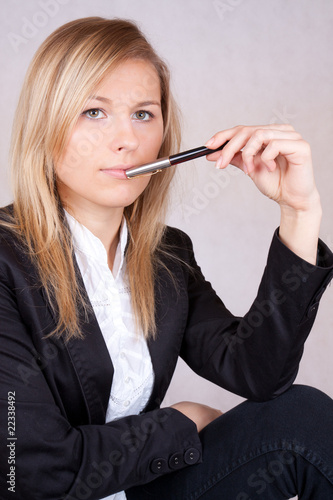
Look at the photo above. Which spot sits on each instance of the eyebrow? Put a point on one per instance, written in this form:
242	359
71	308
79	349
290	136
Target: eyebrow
109	101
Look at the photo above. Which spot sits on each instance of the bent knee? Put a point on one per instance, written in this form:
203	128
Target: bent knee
307	406
308	394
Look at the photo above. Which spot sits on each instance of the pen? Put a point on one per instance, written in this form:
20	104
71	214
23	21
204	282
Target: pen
160	164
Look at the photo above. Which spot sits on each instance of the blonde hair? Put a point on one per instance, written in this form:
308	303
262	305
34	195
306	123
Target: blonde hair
64	72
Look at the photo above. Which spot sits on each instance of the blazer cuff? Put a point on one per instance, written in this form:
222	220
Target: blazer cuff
296	273
324	254
181	449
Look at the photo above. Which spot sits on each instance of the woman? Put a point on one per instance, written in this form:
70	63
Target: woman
90	274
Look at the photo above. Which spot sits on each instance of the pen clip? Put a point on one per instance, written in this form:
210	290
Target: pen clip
145	175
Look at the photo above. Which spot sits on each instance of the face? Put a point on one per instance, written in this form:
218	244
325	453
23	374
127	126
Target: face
120	127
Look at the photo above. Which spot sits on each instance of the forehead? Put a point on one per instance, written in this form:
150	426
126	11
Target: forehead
133	81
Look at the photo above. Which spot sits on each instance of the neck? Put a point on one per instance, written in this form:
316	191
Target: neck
105	225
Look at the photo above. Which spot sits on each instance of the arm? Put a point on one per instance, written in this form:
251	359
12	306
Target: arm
256	356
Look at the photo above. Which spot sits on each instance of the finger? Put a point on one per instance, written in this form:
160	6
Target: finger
240	135
237	161
263	139
295	152
220	137
237	138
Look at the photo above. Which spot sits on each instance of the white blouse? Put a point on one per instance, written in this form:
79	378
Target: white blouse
109	295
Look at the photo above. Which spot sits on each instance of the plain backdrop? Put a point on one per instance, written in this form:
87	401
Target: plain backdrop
232	62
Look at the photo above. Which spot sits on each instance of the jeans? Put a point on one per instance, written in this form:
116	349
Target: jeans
270	451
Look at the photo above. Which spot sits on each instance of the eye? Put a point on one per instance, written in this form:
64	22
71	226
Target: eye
143	116
94	113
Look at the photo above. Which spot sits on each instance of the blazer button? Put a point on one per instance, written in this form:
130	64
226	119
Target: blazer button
159	466
191	456
176	461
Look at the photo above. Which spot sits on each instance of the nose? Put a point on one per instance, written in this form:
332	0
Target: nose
123	136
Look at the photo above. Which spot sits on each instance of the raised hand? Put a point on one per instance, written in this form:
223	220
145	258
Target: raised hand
279	162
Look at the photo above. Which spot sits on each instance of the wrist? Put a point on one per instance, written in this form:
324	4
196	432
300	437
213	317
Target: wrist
305	208
299	229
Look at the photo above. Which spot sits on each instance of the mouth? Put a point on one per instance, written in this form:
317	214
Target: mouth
117	172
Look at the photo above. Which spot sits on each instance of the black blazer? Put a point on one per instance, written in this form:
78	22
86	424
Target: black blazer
63	448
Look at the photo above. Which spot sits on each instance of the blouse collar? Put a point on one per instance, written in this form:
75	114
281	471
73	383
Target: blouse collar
87	243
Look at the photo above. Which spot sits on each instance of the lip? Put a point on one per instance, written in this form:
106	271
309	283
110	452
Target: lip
117	172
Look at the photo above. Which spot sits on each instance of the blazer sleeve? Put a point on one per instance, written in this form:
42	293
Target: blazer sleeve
257	356
43	457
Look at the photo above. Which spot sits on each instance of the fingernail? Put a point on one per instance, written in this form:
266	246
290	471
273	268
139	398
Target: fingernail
210	142
219	163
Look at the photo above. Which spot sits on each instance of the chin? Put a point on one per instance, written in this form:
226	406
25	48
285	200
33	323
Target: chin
119	202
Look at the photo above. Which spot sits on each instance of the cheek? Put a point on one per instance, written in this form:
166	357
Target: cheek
151	142
75	155
69	169
140	185
73	171
159	136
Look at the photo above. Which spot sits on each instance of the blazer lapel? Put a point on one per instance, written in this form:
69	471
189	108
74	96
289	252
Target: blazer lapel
171	317
91	361
94	369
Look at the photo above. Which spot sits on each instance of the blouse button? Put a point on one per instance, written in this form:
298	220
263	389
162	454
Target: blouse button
127	380
127	403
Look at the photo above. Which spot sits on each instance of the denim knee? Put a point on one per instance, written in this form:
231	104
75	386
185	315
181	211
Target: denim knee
304	415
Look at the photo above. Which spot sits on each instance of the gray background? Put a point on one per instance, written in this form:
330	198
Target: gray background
232	62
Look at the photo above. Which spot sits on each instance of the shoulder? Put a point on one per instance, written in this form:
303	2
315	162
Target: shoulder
8	235
6	215
176	251
12	252
173	235
6	221
177	242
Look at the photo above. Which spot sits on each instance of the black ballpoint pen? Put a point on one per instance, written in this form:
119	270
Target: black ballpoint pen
160	164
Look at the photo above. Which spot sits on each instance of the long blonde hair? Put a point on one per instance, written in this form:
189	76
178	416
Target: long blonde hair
64	72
